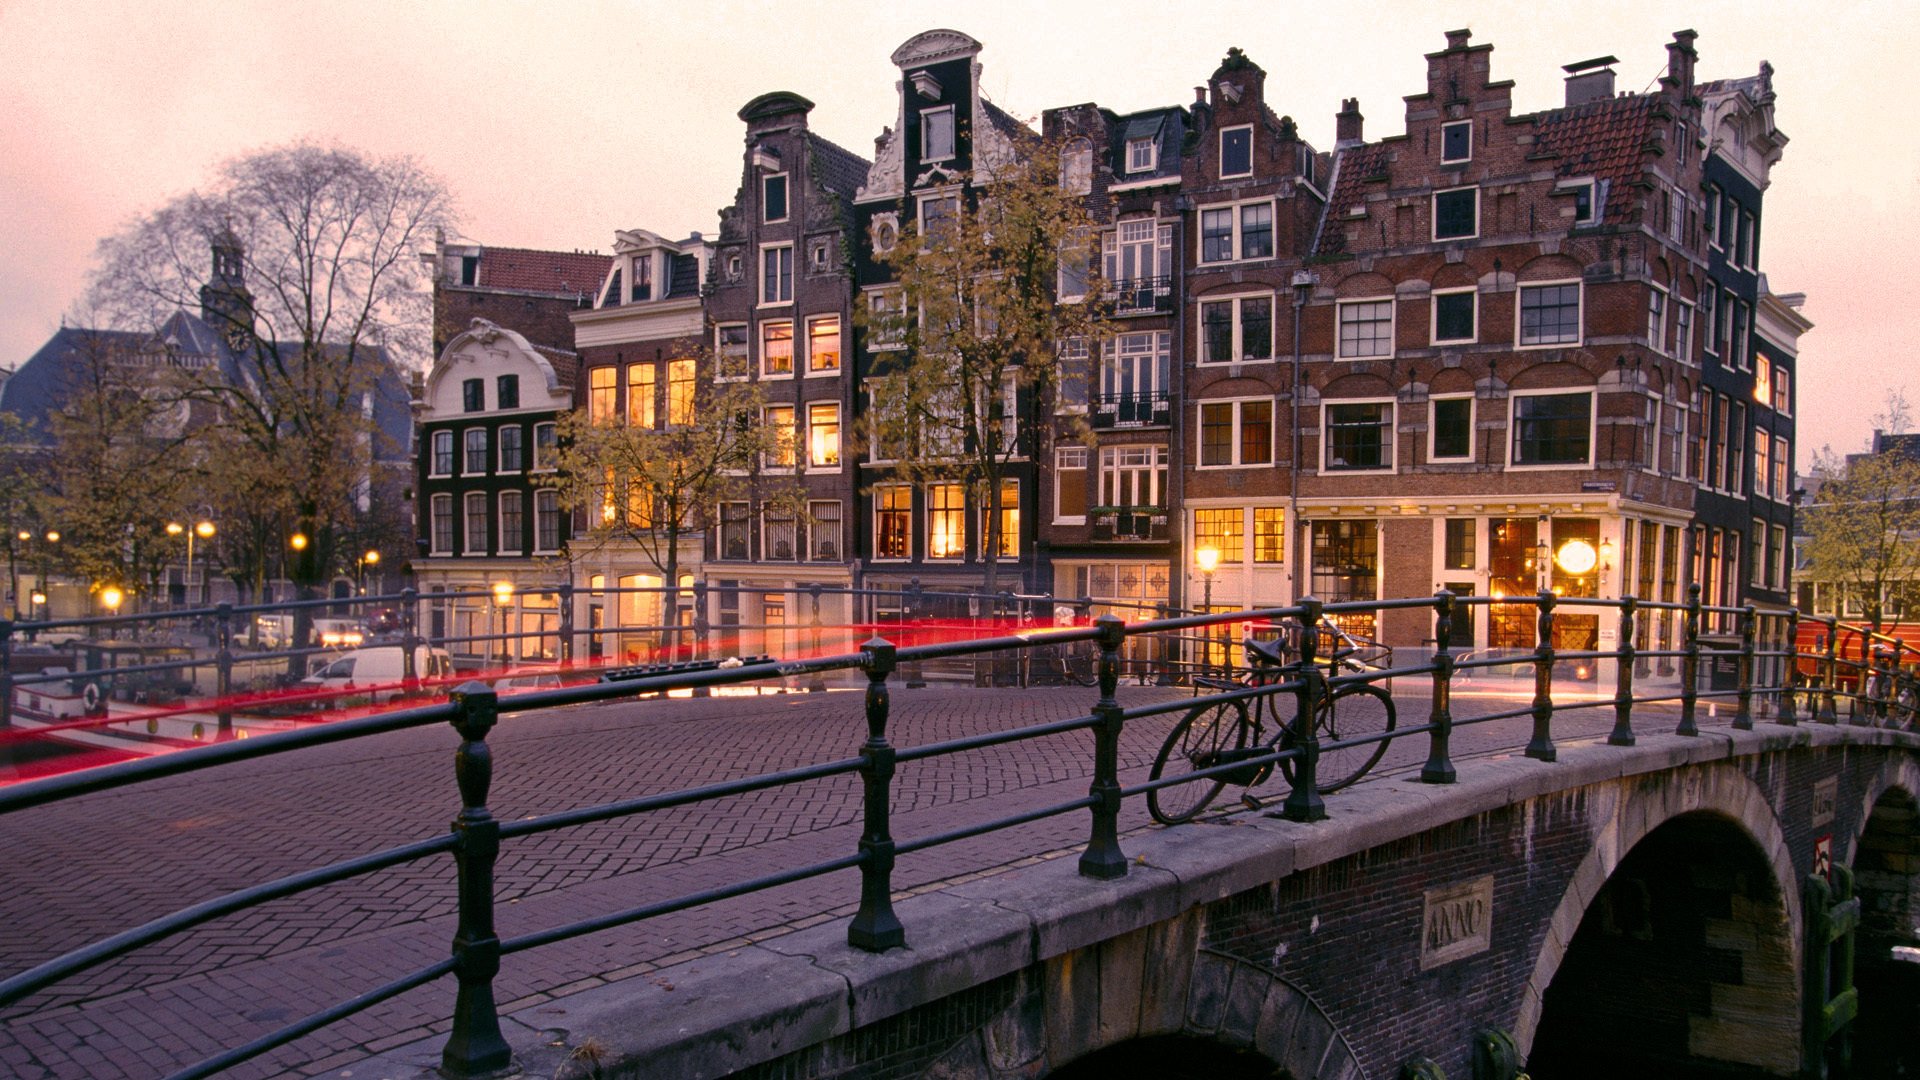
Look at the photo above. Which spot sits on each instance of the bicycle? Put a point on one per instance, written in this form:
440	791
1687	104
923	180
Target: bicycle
1220	732
1066	663
1892	700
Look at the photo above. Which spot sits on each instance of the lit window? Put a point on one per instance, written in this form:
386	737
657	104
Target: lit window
780	449
1009	520
641	411
602	393
1366	329
823	343
1550	314
1222	529
823	434
892	522
776	348
680	376
1269	534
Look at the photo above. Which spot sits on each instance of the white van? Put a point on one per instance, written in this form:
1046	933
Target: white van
378	669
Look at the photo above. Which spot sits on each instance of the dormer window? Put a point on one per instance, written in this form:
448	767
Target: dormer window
1142	155
642	278
1236	151
773	197
936	134
1456	142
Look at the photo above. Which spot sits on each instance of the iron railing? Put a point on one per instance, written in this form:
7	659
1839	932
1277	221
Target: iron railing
1802	681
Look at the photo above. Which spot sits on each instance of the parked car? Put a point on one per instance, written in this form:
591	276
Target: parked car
378	670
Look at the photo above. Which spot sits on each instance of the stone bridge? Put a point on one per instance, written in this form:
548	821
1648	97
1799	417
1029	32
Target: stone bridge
1622	911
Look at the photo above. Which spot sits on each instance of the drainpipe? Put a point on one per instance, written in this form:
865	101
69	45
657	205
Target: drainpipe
1303	283
1177	413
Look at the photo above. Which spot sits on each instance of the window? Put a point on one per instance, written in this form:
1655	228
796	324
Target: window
512	455
477	524
1076	167
642	278
1237	329
1762	465
1346	562
735	524
1222	529
1236	151
1366	328
1236	433
823	344
1749	230
1709	314
442	453
936	212
642	410
443	524
1070	485
776	349
1710	218
602	394
1462	543
1269	534
1132	476
513	524
1141	155
680	375
773	197
936	134
1239	231
823	434
780	449
1763	383
1454	315
1683	331
730	343
1138	258
1359	436
1456	214
473	395
886	319
776	275
476	463
506	391
1550	314
1009	521
1452	429
1757	560
823	532
1782	391
893	522
1782	470
1742	318
1134	377
779	535
1657	320
1074	375
1456	141
1552	429
546	446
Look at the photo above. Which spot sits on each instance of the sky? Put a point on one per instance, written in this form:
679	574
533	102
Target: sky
556	124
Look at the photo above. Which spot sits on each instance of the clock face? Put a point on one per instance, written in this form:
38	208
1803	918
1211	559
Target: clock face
237	338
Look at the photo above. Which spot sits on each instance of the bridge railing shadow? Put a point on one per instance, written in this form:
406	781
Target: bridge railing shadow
1774	671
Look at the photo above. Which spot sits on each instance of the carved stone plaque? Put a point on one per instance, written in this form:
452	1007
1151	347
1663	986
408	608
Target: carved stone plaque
1456	921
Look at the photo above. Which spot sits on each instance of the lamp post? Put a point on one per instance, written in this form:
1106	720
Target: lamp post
203	530
1207	558
502	598
370	558
13	572
46	559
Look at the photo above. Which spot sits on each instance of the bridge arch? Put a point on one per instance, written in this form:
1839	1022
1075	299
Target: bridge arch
1710	826
1884	853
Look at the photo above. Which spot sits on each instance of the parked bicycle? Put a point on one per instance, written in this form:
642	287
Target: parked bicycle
1244	729
1892	699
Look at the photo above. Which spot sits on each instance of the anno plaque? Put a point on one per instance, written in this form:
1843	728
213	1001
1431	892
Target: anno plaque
1455	922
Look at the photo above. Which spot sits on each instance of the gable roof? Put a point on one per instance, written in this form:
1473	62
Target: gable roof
532	270
1605	139
839	170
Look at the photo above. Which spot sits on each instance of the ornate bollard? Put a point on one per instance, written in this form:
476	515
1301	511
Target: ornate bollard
1439	766
223	668
564	597
409	639
818	683
875	928
1690	665
1790	671
1103	858
1304	802
475	1045
910	610
1622	733
1743	713
1541	746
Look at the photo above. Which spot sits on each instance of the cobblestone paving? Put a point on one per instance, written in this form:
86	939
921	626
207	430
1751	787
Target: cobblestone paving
82	870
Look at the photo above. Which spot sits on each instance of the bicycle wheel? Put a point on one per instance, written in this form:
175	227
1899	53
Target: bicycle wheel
1351	712
1906	707
1080	663
1195	743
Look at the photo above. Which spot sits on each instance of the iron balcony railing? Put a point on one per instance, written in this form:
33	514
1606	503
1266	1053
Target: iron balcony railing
1141	295
1135	408
1772	674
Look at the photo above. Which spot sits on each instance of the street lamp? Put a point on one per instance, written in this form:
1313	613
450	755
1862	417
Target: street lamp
371	558
502	598
112	597
203	530
1207	558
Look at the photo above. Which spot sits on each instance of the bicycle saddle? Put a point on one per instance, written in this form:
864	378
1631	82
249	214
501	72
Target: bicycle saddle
1266	652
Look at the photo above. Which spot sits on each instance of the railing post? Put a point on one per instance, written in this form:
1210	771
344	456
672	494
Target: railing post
475	1046
1866	712
6	673
875	928
565	599
223	668
916	678
1541	745
1439	766
1103	858
1790	671
1690	665
409	639
1743	714
700	627
1164	646
818	683
1830	704
1304	802
1622	733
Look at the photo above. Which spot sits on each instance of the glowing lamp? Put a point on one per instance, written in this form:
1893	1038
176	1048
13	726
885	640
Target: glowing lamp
112	597
174	528
503	593
1207	559
298	541
204	530
1577	557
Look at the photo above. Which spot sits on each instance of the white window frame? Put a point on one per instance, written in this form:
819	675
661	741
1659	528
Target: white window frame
1234	212
1446	127
1339	326
442	501
840	356
894	307
561	530
720	354
767	179
1580	314
1153	470
1593	426
773	249
1710	218
1433	317
793	358
1393	437
769	521
534	463
1239	342
944	195
516	545
1135	164
466	450
1762	462
839	442
1433	428
953	133
1658	304
771	460
877	511
433	453
1434	214
1221	148
839	529
466	525
500	451
1062	455
1683	330
1199	432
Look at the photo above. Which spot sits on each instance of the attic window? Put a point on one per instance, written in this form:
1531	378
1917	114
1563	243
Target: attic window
469	269
1236	151
1142	155
936	134
773	197
1456	142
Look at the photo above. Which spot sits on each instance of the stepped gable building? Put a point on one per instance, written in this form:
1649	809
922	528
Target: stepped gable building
1104	524
1502	353
779	311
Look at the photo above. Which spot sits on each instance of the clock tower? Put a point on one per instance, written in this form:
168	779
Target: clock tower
225	303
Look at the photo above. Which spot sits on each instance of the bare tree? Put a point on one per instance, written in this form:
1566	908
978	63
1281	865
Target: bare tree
981	329
1863	529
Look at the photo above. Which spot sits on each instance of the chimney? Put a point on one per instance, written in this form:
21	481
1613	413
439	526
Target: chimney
1457	39
1590	80
1347	124
1680	57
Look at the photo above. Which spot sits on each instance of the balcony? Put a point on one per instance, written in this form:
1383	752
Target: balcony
1141	296
1138	408
1135	523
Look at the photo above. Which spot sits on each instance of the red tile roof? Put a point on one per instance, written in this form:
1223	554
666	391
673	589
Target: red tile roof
1604	139
567	272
